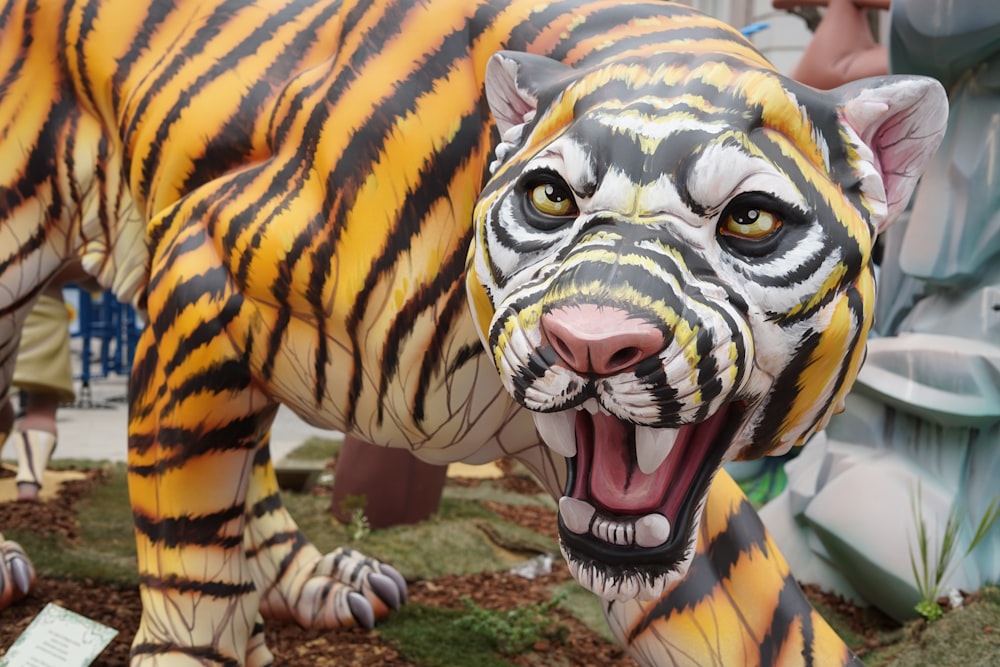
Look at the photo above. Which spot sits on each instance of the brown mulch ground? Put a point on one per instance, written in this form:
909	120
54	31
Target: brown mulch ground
295	647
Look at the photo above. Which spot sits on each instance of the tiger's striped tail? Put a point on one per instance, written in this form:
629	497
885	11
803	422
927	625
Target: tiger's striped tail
739	604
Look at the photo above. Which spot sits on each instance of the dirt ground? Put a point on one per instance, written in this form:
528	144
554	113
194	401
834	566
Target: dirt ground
291	645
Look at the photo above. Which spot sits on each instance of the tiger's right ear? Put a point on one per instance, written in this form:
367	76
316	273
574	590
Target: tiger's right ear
514	81
901	119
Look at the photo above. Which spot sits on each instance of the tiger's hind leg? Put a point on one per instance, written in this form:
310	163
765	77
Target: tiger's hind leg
738	605
299	583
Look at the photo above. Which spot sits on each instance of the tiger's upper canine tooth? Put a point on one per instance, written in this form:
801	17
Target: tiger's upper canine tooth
591	405
558	430
576	514
653	446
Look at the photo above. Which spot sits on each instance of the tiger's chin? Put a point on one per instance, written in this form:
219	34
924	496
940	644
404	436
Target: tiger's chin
629	516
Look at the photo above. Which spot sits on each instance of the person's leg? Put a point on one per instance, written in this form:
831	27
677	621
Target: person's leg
35	440
45	377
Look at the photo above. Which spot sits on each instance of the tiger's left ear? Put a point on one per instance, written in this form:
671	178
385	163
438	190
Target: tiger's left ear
902	120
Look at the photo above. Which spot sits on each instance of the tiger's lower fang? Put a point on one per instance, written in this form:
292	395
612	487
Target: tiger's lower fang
652	530
577	515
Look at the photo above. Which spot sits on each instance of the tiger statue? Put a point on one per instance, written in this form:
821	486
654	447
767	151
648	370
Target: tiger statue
606	238
17	573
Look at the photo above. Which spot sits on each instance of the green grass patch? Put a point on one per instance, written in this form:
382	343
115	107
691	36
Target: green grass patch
965	637
585	606
487	491
316	449
474	538
513	631
433	637
105	549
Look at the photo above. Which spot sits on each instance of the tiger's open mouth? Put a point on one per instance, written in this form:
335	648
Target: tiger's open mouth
628	519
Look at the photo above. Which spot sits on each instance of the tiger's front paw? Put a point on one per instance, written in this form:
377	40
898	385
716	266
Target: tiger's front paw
346	588
17	574
374	589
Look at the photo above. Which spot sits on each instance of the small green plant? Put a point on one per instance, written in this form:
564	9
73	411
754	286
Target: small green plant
933	568
514	631
358	526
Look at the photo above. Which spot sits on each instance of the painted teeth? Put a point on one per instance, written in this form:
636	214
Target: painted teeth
653	446
591	405
614	532
576	514
581	518
558	430
652	530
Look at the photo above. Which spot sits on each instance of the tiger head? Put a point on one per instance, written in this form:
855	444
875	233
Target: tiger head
672	270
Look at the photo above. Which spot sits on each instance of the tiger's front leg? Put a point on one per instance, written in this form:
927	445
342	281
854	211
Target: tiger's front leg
216	549
194	424
738	605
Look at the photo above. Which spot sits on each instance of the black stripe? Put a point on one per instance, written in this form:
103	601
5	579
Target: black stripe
88	18
857	307
268	505
293	537
184	293
231	146
16	70
205	654
602	21
204	530
783	394
182	585
453	310
191	443
792	607
227	377
743	535
183	56
138	44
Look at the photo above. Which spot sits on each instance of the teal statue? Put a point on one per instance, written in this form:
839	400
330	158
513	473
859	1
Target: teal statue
919	441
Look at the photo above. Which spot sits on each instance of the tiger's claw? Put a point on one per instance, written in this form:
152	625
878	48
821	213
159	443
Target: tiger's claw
17	574
397	579
387	590
361	610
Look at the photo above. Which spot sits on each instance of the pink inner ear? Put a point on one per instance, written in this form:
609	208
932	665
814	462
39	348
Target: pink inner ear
510	105
902	121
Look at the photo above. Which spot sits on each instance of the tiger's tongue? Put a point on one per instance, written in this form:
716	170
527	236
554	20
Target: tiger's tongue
615	480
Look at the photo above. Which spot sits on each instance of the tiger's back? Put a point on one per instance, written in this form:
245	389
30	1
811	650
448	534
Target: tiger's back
335	190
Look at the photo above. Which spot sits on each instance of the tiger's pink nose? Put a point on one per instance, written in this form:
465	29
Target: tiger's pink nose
595	339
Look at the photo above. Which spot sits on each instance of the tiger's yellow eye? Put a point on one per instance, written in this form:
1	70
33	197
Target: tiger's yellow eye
750	223
550	199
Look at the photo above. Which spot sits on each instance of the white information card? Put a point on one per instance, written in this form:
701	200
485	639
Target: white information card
58	637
